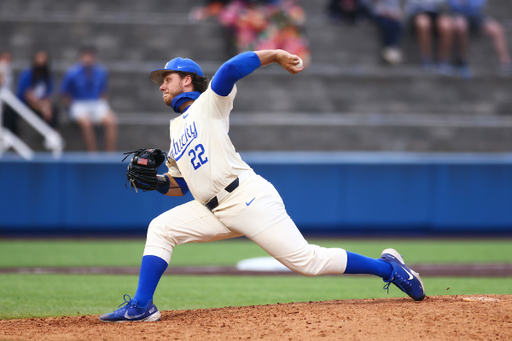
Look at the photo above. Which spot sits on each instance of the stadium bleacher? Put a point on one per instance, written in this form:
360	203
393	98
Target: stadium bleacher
346	100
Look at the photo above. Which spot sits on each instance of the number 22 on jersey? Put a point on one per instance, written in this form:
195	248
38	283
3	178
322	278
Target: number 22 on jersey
197	156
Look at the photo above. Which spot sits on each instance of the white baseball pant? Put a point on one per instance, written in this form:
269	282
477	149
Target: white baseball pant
264	221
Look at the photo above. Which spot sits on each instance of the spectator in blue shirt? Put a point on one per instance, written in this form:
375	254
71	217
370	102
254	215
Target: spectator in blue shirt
35	88
469	16
388	16
349	11
84	90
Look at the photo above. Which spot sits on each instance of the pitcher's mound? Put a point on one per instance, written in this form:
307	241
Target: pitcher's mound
468	317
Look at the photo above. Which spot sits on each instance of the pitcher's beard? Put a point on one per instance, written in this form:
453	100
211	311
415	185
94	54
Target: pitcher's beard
168	101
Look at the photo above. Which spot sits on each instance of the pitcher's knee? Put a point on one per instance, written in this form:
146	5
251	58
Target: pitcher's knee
158	235
305	270
313	260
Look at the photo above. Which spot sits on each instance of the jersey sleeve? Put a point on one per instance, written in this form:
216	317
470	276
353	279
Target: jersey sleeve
176	174
173	168
233	70
216	106
217	100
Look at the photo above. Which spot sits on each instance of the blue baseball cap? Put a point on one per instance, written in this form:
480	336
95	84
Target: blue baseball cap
176	64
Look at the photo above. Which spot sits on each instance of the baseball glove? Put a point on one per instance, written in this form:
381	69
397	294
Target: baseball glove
143	168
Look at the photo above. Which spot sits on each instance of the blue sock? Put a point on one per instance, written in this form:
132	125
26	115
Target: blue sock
357	264
151	269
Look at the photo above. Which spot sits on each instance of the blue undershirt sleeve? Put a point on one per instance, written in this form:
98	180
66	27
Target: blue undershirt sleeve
183	185
165	187
233	70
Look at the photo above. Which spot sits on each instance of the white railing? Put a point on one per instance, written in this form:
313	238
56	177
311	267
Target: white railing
52	139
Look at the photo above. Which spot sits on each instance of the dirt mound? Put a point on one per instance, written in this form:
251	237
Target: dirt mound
472	317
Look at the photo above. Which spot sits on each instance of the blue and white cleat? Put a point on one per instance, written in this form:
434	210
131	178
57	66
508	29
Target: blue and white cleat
405	279
130	312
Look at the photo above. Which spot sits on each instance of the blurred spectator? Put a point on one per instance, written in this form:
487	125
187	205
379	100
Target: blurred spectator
349	11
84	90
35	88
469	16
5	70
388	16
429	18
9	116
214	8
285	29
246	20
242	20
260	24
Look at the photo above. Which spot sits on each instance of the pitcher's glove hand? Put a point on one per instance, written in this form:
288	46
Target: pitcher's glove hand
143	168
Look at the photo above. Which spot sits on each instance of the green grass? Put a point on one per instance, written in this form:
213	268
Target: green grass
41	253
23	296
59	295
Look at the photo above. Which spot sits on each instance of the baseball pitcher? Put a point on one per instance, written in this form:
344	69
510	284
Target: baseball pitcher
230	199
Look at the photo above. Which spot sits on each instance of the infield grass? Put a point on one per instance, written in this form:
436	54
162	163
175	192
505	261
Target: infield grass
23	296
61	253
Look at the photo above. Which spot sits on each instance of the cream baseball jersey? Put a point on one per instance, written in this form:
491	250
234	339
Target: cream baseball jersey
201	151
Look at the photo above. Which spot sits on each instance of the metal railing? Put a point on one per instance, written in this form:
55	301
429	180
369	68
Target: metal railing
52	139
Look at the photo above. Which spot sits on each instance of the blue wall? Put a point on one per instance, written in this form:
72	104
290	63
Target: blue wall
323	192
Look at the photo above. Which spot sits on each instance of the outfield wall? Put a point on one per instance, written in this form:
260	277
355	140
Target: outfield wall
323	192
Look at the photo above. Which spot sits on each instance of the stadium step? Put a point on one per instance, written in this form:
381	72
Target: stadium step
327	132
